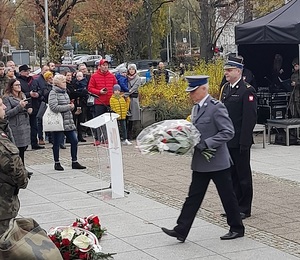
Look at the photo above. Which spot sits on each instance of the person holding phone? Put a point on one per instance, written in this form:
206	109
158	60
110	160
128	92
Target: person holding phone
101	84
17	112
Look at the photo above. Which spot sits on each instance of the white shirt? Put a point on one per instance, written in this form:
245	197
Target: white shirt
235	83
203	100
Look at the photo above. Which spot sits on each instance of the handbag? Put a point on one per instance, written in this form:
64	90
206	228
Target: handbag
25	239
90	101
42	110
52	122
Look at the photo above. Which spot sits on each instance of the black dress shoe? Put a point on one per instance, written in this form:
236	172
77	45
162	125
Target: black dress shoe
82	140
243	215
231	235
58	167
78	166
37	147
62	146
173	233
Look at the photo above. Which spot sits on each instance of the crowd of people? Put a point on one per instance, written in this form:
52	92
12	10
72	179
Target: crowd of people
69	93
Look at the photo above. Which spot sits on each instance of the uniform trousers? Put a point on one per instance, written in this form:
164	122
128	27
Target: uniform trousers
242	178
197	190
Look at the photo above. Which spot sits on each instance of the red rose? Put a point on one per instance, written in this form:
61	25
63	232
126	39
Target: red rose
75	224
179	128
96	220
53	238
164	140
65	242
57	244
66	256
83	255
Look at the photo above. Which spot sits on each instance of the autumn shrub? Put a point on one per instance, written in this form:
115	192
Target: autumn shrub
171	101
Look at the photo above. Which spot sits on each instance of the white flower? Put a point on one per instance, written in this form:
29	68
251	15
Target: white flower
68	233
82	242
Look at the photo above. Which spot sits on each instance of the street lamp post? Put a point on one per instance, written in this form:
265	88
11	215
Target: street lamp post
47	28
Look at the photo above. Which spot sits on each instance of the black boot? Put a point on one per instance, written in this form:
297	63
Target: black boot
58	167
77	165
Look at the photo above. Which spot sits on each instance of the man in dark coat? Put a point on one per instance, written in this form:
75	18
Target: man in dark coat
211	161
161	73
33	94
240	100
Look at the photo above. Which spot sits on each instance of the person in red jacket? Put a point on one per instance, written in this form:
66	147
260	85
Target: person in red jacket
101	84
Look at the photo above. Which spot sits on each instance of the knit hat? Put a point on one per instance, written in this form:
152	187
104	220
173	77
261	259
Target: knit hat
117	87
132	66
47	75
122	70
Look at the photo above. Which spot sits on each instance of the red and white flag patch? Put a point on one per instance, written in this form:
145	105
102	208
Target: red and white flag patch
251	98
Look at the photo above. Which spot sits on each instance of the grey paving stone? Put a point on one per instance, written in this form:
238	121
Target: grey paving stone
237	245
32	210
134	255
179	251
260	254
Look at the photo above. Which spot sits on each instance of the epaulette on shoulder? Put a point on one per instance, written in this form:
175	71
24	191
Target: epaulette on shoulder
215	102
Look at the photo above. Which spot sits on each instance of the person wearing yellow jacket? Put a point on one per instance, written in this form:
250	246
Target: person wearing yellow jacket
119	106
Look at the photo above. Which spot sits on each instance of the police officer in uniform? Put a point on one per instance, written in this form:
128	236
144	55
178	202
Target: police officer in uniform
211	161
240	100
13	175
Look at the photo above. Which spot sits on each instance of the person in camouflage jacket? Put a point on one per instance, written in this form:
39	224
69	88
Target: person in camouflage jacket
13	175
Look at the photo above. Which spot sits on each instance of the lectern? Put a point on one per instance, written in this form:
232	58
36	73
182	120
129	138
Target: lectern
109	120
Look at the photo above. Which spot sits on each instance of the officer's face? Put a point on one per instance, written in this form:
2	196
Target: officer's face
232	75
198	94
2	109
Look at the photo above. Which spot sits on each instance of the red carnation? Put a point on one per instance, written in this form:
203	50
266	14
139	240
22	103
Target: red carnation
96	220
53	238
66	256
57	244
179	128
83	255
65	242
75	224
164	140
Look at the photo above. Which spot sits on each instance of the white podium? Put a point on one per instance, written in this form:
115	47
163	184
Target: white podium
114	151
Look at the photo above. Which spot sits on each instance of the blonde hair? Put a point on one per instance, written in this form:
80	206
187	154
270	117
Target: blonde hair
47	75
59	78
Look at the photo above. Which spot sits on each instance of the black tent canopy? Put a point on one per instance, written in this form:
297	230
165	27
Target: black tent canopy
259	40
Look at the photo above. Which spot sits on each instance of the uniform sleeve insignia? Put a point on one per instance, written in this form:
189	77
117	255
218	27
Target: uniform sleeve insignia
214	101
4	135
251	98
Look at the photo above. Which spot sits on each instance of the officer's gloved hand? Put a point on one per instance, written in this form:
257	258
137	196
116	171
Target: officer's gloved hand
244	148
201	146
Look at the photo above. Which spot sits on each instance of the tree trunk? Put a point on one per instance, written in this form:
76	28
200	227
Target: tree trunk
248	11
205	42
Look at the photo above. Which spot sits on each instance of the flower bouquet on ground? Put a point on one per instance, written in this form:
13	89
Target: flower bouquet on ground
91	223
173	136
77	243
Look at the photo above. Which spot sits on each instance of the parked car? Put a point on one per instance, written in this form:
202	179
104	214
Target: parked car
140	64
88	60
172	75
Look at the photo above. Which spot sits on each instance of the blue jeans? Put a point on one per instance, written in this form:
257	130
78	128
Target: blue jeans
57	138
